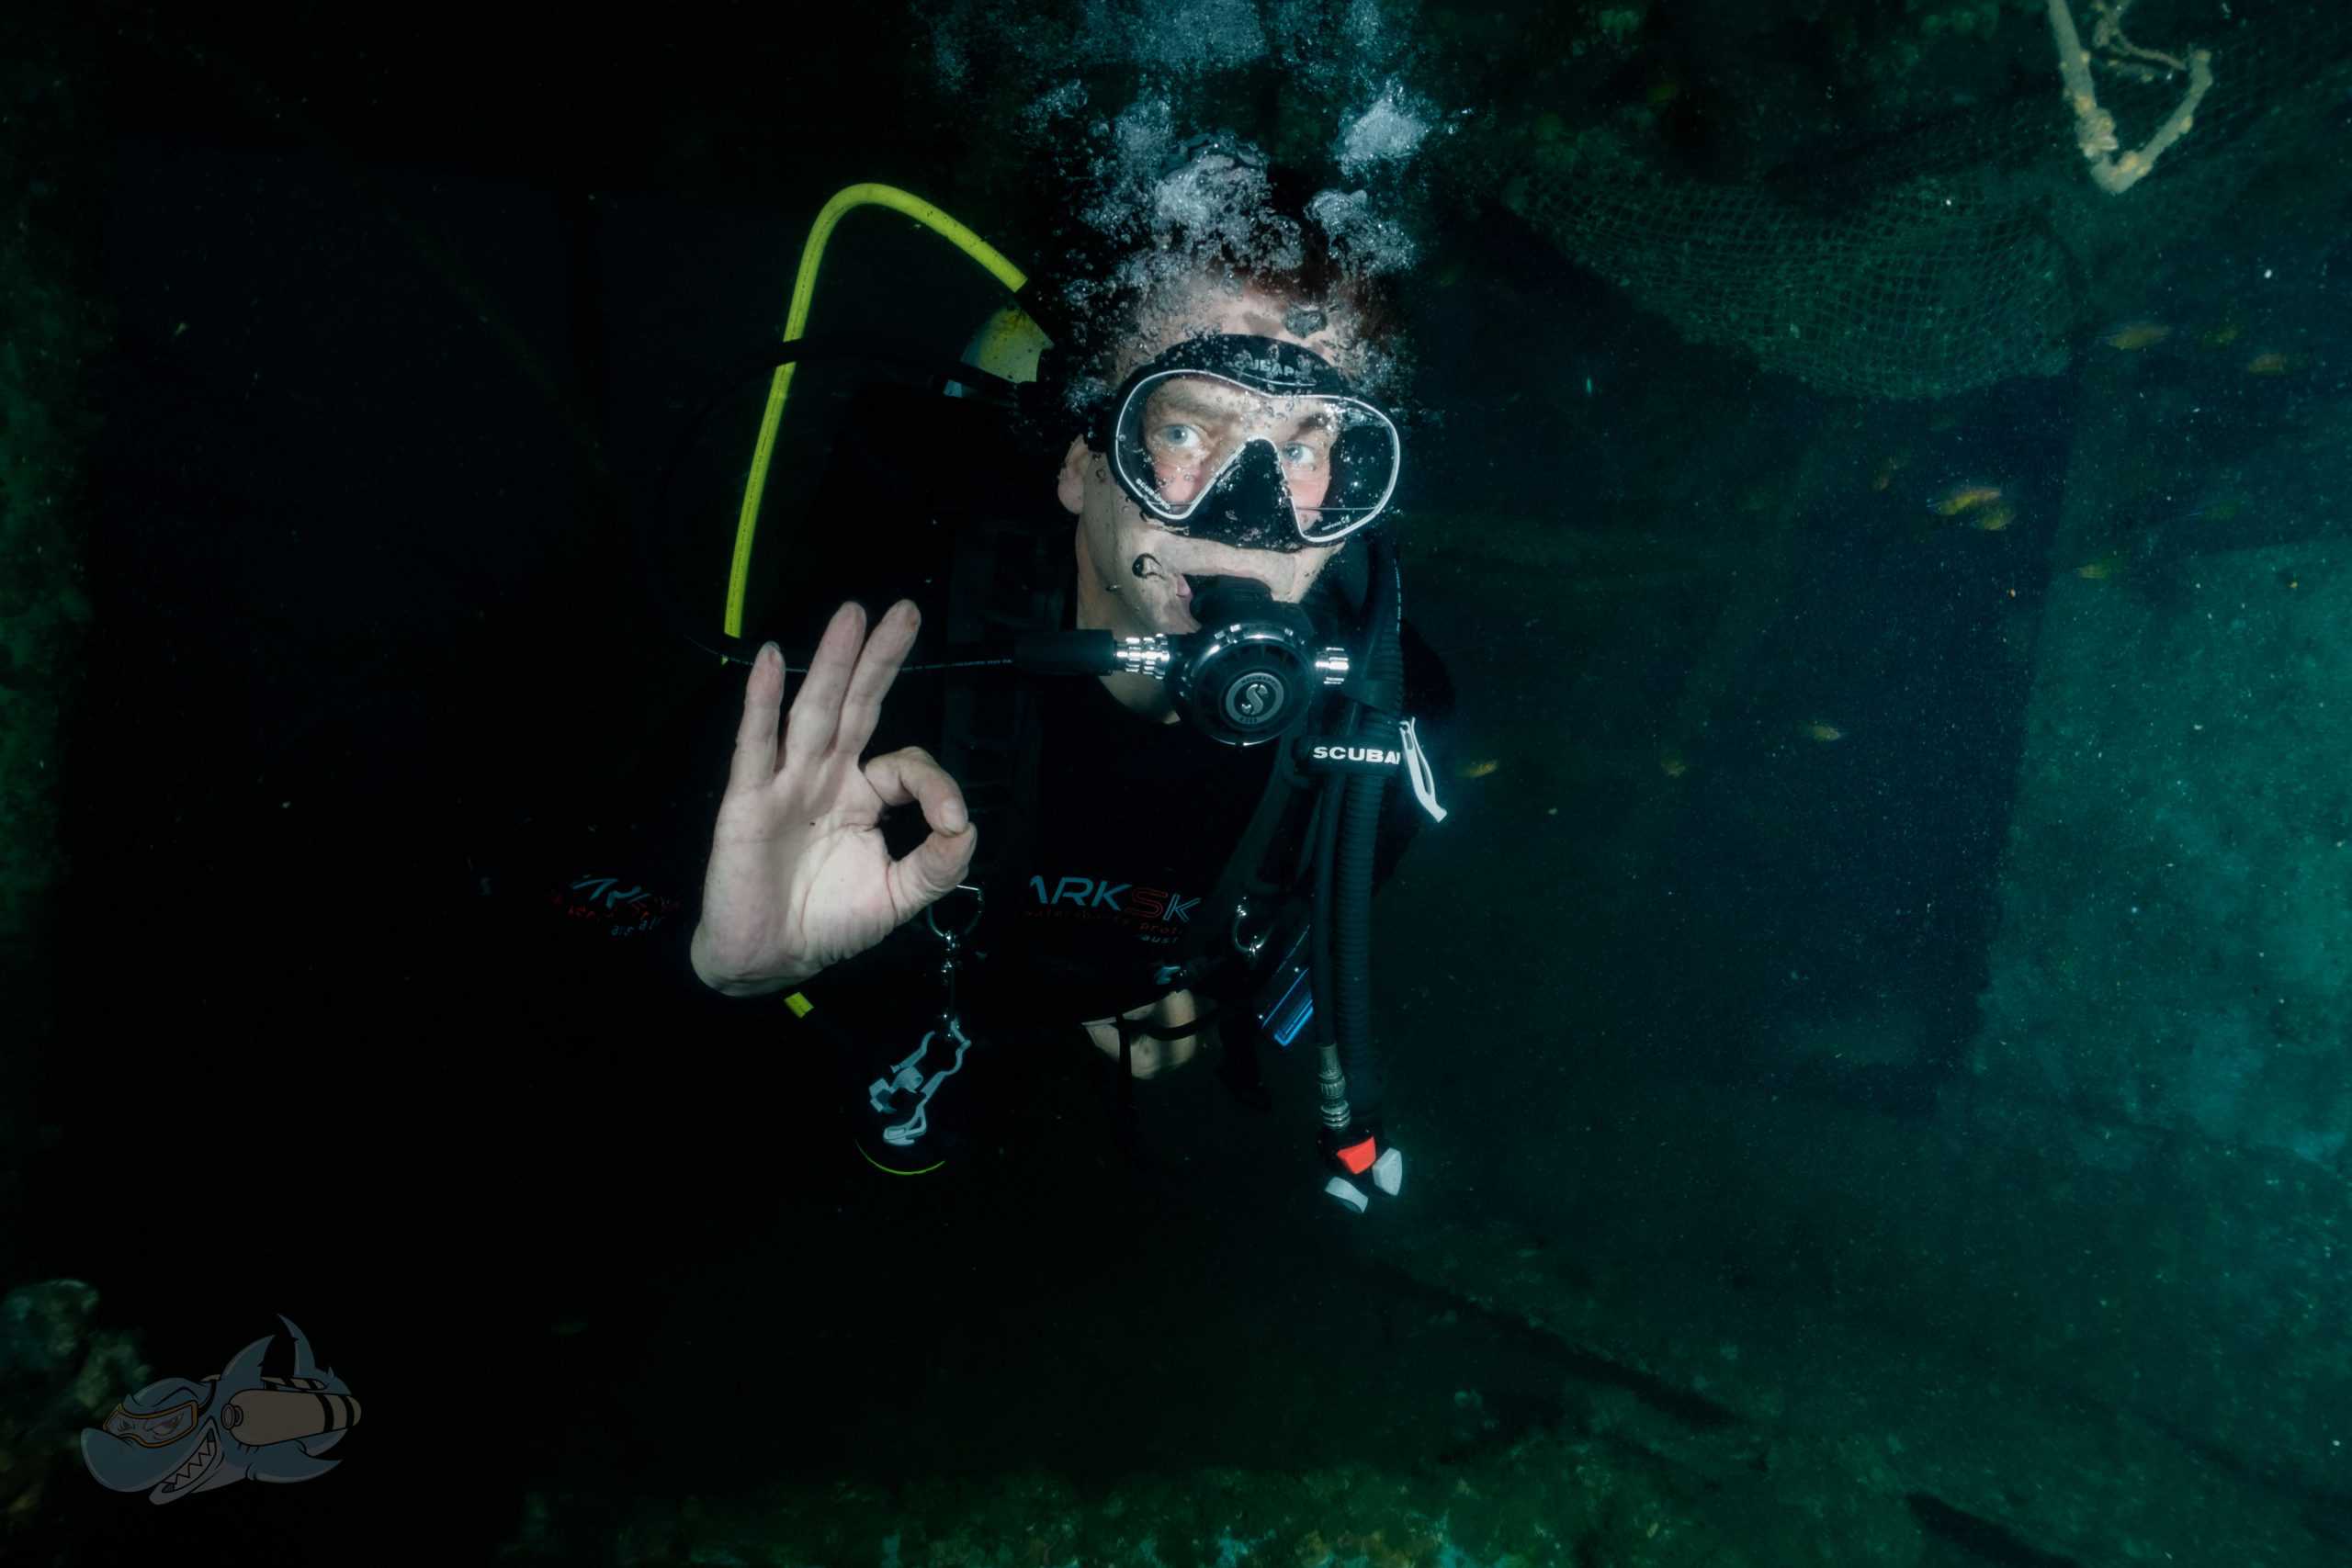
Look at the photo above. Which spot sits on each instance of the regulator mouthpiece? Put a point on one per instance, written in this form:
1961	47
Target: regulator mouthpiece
1251	672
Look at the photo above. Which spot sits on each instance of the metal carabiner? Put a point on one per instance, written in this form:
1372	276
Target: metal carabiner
979	903
1251	949
954	943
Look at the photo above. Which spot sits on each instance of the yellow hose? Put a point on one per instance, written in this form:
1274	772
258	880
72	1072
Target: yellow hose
804	289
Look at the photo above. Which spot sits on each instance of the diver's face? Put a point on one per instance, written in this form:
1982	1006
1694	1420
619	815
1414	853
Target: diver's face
1191	431
1195	426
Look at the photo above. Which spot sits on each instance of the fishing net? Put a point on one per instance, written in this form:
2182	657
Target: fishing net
1968	250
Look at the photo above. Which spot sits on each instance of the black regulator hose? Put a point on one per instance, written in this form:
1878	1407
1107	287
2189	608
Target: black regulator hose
1358	835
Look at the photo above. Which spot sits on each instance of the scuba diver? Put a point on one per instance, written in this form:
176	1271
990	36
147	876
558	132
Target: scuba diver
1183	866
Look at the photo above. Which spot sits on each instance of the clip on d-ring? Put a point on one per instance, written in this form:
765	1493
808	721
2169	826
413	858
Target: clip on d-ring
979	902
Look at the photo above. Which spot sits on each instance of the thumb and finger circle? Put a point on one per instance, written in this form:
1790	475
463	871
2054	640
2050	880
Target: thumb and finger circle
835	710
914	777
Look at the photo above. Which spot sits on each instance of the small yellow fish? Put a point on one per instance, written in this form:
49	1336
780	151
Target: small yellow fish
2133	335
1672	765
1992	519
1825	733
2222	336
2270	362
2099	571
1964	498
1479	768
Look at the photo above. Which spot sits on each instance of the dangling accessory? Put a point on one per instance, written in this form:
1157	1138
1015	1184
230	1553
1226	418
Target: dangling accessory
907	1076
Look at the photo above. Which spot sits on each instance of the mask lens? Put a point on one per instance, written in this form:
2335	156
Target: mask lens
1362	476
1179	433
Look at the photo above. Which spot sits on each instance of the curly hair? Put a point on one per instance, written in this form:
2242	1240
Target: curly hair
1229	222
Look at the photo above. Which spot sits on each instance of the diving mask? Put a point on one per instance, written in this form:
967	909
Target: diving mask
1250	442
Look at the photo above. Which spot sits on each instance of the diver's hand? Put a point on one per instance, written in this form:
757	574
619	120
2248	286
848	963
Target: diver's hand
799	878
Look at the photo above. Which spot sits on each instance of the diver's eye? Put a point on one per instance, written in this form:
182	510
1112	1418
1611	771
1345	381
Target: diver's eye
1179	437
1300	455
